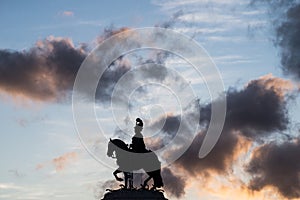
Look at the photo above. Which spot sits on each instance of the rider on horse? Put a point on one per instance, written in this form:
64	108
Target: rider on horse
137	144
135	157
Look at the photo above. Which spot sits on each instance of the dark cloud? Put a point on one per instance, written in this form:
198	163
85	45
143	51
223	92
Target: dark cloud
276	165
167	127
253	113
110	78
154	70
285	18
44	72
173	184
275	5
171	124
288	39
257	110
217	160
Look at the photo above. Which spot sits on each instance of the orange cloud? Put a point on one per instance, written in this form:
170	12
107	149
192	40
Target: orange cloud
280	86
108	32
45	72
39	166
61	161
68	13
221	187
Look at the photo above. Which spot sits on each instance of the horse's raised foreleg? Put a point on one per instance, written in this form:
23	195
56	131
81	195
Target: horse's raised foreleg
115	174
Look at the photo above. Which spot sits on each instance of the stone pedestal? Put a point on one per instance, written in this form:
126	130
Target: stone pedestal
141	194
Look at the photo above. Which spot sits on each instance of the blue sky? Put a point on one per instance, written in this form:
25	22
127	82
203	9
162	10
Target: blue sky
38	20
42	156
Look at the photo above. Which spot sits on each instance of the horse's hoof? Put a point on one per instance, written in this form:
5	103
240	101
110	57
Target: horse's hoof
119	179
153	189
144	187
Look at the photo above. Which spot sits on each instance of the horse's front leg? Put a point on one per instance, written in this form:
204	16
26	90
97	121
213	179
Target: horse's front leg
126	180
115	174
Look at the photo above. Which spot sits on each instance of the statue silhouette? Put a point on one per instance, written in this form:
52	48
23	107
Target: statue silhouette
128	162
135	157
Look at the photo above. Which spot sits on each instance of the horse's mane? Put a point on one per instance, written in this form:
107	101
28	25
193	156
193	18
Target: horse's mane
119	143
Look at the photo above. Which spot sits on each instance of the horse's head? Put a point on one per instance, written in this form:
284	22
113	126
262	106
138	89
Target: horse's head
110	149
115	146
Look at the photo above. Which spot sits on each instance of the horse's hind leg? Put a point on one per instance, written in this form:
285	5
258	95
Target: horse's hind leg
126	180
130	176
115	174
146	181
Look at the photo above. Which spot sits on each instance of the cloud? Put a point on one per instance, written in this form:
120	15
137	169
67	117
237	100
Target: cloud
172	21
39	166
101	187
282	87
24	122
209	18
173	184
254	113
233	59
68	13
61	161
288	39
16	173
46	72
10	186
108	32
259	109
286	23
171	5
276	165
218	160
110	77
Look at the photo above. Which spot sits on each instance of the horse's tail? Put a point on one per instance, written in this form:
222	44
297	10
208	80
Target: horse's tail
158	182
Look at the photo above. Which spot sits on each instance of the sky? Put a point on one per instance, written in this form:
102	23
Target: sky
48	152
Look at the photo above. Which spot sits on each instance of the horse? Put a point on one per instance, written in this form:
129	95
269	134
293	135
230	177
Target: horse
129	162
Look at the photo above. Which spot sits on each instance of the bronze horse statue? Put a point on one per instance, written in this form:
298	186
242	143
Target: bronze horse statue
129	161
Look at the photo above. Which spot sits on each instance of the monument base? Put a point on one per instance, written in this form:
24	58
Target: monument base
134	194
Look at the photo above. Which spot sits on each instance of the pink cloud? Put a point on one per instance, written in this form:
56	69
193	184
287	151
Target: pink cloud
61	161
68	13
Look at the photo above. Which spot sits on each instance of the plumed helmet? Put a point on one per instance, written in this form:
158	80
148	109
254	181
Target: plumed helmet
139	122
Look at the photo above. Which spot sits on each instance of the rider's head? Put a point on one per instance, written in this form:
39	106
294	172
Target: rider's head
138	125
